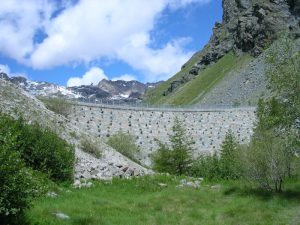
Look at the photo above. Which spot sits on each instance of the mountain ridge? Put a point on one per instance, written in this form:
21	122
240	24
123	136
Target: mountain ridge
128	91
247	27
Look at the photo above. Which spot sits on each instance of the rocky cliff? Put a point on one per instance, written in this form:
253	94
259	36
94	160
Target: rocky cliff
248	26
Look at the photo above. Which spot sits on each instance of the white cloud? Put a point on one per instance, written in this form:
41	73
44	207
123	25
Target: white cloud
90	30
6	69
175	4
19	22
158	64
93	76
125	77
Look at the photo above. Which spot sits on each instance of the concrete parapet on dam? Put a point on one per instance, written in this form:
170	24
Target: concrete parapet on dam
207	127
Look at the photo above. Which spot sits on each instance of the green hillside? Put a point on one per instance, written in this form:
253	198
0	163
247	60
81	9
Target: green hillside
155	96
193	91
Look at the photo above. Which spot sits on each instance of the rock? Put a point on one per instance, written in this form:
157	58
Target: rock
215	187
162	185
60	215
106	179
183	181
52	194
191	184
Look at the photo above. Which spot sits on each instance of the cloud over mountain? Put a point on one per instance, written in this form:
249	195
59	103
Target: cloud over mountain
44	34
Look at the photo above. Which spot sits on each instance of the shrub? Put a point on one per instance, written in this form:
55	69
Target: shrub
58	105
225	165
18	184
207	166
90	147
176	158
269	161
125	144
163	159
41	149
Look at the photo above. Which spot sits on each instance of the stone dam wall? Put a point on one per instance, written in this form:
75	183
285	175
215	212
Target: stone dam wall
207	127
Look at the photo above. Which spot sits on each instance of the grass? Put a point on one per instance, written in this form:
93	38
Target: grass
155	96
194	91
143	201
91	147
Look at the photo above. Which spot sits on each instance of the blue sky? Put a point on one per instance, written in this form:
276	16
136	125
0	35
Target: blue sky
81	42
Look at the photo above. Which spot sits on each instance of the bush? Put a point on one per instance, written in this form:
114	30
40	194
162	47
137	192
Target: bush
125	144
58	105
90	147
41	149
207	166
269	161
18	184
176	158
225	165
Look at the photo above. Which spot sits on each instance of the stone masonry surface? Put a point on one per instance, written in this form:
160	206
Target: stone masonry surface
206	127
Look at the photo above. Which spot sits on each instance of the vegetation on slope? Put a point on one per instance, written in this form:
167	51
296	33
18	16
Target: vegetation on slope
57	105
125	144
193	91
155	96
29	156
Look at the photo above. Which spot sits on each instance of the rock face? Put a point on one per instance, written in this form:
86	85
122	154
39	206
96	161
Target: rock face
125	88
248	26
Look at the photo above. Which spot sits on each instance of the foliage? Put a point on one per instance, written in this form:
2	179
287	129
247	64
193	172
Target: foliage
269	160
176	158
15	183
58	105
284	78
18	183
125	144
230	167
225	165
207	166
271	156
41	149
91	147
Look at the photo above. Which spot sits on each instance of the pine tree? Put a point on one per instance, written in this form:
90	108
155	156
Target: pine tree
182	149
228	159
176	158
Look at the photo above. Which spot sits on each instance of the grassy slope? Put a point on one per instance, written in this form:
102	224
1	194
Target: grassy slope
193	91
142	201
155	96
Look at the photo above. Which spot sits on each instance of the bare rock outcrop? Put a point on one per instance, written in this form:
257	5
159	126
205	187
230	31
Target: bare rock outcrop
248	26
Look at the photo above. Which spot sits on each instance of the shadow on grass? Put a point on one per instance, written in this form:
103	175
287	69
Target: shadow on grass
289	194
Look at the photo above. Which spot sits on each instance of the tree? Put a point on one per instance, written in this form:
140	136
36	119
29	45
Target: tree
271	155
283	73
268	161
175	158
229	165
